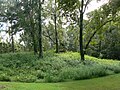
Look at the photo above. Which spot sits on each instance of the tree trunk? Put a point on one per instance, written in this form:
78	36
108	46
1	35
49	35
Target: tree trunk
32	28
100	44
12	38
34	42
56	33
81	32
13	47
40	32
33	36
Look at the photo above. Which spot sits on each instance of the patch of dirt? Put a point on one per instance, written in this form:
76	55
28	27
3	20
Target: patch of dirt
2	87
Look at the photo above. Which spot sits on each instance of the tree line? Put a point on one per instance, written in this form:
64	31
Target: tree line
59	25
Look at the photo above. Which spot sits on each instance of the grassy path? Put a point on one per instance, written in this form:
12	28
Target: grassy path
104	83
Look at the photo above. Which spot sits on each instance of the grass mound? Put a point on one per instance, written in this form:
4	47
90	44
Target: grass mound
25	67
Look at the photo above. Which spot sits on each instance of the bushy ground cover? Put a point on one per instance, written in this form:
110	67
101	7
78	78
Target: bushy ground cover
26	67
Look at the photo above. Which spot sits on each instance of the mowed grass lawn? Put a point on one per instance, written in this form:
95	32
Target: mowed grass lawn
111	82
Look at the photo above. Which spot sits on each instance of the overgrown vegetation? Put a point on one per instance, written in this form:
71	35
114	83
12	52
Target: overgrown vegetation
26	67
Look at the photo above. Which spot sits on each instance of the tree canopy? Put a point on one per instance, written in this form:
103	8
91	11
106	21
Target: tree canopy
60	25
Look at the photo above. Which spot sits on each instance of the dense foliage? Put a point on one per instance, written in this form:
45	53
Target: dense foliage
59	26
25	67
44	25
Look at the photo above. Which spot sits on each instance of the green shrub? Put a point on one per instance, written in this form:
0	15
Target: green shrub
83	72
40	74
24	78
4	77
51	75
26	67
114	68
